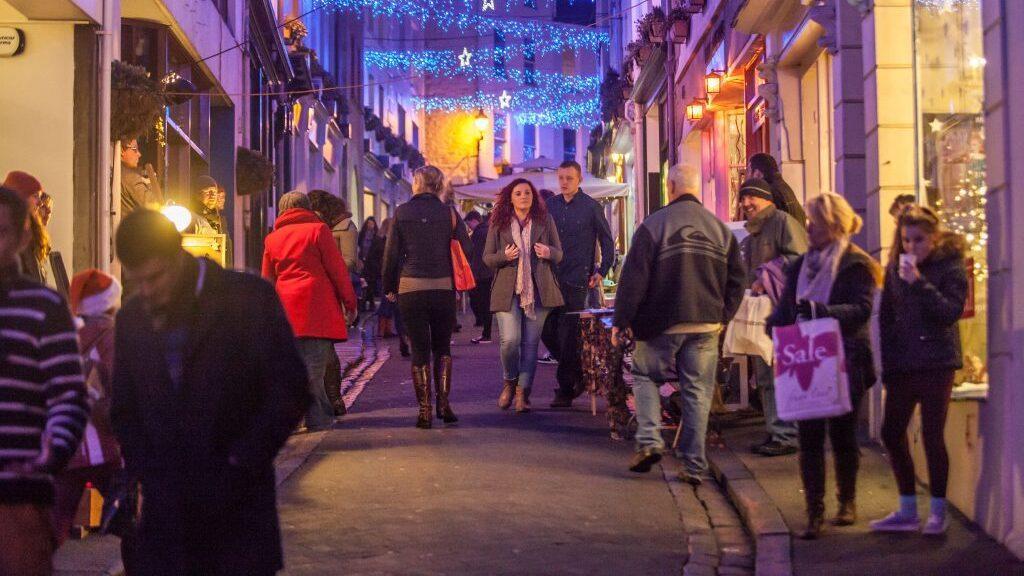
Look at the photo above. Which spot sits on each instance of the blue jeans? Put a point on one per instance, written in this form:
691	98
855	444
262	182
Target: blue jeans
780	430
688	361
520	337
315	353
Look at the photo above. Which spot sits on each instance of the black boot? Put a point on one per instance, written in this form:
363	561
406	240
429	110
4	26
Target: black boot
403	346
847	464
421	383
812	473
443	385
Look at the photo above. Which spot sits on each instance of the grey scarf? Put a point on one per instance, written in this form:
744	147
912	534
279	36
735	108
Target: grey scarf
818	272
524	272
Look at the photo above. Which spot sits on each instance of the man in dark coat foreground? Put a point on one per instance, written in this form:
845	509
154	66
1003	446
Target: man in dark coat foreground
207	386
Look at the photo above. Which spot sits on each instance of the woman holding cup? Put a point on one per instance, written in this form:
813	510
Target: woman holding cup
924	297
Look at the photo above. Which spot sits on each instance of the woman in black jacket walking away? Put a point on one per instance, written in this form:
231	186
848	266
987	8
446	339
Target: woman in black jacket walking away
924	296
835	279
418	273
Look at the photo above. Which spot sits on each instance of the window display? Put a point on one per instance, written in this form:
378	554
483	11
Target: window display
949	70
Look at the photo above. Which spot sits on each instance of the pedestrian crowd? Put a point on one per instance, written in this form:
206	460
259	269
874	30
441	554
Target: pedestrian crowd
175	404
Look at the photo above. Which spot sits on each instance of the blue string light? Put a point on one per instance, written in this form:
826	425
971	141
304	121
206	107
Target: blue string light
530	106
570	115
462	14
445	63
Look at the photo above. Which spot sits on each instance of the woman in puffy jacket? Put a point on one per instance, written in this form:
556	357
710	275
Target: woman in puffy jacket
924	296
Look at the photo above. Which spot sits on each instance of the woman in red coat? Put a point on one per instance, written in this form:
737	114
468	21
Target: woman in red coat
305	265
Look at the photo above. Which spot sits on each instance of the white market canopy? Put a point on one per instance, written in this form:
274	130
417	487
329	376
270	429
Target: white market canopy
539	163
488	191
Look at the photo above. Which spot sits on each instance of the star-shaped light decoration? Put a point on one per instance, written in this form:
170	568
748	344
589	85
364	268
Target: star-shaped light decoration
936	125
464	58
505	100
488	5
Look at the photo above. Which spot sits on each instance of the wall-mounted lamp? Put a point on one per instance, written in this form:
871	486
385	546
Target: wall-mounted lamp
695	110
713	83
480	122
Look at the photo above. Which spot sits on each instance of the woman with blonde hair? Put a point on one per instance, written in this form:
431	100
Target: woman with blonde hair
834	279
419	275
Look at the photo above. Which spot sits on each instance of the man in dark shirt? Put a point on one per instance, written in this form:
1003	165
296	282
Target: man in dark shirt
581	226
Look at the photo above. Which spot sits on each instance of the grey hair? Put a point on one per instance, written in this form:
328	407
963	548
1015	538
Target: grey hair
685	178
428	179
293	199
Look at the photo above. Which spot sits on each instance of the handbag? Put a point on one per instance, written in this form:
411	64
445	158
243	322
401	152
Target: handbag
746	334
811	380
462	274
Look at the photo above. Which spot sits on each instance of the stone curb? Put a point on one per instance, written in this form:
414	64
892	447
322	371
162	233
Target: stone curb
760	515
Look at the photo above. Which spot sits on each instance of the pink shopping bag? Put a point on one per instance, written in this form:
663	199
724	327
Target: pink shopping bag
810	371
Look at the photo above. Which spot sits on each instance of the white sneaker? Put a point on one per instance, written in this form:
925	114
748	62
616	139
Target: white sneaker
896	523
936	525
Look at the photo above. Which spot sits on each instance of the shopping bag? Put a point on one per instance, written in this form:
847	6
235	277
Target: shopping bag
810	371
746	334
463	274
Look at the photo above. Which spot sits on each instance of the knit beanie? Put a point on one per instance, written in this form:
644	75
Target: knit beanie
757	187
204	182
23	183
94	292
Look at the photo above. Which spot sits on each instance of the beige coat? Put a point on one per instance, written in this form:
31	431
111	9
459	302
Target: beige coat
345	234
504	284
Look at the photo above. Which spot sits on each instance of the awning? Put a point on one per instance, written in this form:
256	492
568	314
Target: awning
488	191
538	163
66	10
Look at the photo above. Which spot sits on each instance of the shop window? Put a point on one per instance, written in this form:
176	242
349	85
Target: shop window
369	202
499	129
568	144
949	68
499	54
735	121
529	141
529	62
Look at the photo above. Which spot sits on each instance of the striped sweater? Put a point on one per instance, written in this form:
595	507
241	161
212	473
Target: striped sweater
42	387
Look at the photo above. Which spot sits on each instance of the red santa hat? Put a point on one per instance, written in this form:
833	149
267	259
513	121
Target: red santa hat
23	183
94	292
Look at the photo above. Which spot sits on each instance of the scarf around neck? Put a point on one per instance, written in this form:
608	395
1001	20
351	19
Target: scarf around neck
524	272
818	272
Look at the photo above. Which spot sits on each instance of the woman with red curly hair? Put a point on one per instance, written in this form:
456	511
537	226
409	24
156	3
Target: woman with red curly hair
522	247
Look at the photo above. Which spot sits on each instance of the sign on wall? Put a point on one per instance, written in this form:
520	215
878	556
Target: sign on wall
12	42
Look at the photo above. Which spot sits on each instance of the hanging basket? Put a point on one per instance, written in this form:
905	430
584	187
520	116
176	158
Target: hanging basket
658	31
254	173
644	54
680	31
136	101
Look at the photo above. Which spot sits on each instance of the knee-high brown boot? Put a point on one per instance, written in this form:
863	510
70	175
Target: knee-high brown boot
421	383
443	386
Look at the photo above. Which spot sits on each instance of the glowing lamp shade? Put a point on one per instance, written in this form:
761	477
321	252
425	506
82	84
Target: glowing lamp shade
713	83
178	215
480	122
695	111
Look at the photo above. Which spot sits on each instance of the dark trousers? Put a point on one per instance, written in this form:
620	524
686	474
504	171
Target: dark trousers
549	335
570	371
480	302
429	319
842	432
932	390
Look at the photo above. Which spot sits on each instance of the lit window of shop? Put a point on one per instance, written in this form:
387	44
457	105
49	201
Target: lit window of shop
499	128
568	144
529	141
949	67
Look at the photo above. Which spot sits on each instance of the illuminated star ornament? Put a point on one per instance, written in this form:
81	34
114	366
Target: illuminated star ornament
936	125
488	5
464	58
505	100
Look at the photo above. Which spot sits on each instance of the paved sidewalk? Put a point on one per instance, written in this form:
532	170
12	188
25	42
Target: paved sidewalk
965	550
540	493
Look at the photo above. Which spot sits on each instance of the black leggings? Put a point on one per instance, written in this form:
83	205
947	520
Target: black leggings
842	433
932	389
429	319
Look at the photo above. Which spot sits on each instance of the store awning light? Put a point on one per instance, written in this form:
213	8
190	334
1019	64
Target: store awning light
695	111
713	83
178	215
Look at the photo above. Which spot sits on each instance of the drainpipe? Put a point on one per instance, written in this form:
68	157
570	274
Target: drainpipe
104	149
670	98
